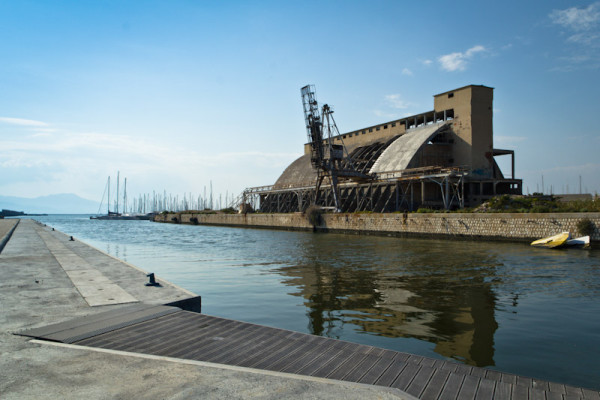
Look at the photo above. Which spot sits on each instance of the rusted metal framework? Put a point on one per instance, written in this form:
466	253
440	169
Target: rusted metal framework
330	160
379	174
406	190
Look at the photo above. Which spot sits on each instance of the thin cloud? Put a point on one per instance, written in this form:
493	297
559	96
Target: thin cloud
407	72
22	122
582	23
458	61
580	27
395	101
56	161
585	38
577	19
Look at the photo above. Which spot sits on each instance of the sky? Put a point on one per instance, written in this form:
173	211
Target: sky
177	95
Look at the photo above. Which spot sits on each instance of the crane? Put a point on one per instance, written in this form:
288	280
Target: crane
330	160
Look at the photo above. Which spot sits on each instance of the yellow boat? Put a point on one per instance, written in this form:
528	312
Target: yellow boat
552	241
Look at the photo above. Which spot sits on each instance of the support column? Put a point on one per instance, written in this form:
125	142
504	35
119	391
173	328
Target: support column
512	159
446	198
412	199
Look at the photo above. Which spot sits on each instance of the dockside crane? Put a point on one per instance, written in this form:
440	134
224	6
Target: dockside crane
329	159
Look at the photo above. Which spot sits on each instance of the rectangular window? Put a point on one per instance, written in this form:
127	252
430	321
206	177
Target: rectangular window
378	128
393	124
385	127
450	95
370	129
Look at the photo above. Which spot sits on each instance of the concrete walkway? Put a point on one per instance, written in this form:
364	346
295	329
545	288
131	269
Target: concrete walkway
46	279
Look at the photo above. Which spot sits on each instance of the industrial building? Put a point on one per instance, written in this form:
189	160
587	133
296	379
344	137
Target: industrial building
440	159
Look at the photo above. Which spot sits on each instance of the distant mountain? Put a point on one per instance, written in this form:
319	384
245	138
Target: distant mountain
66	203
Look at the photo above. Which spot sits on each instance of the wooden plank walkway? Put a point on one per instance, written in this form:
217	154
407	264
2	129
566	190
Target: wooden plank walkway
189	335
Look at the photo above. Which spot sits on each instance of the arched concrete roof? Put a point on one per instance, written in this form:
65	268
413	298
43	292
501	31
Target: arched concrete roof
401	152
397	156
300	173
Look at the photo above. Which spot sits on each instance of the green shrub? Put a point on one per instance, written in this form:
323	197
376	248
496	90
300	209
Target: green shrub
537	203
585	226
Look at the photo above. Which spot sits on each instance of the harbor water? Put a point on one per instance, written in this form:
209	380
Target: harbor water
505	306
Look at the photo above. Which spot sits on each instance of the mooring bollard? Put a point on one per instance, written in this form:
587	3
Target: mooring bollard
152	280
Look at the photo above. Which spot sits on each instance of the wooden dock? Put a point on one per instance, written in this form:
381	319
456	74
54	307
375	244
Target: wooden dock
174	332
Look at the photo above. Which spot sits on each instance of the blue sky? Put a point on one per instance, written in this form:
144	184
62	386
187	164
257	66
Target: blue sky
176	94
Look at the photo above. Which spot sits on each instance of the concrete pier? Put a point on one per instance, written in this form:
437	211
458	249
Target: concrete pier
47	279
106	334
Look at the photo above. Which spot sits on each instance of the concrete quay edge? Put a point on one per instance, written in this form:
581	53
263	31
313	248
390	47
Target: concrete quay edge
511	227
35	291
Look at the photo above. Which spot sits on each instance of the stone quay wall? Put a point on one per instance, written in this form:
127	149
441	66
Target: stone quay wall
501	226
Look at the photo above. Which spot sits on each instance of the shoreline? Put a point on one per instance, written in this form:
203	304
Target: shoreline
513	227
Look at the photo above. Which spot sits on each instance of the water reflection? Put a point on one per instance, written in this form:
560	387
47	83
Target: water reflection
392	290
528	311
117	250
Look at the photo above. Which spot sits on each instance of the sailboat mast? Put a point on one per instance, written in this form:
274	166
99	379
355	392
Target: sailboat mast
108	202
125	196
117	210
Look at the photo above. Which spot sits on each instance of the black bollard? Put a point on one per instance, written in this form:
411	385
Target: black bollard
152	280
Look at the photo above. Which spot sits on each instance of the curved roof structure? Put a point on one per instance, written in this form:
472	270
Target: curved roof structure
398	155
373	157
299	173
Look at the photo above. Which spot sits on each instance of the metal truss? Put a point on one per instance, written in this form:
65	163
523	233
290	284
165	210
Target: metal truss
434	188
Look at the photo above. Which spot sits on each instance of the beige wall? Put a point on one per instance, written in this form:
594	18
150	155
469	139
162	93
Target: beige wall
472	125
367	135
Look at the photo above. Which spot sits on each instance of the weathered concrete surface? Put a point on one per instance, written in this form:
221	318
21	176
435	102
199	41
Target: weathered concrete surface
35	291
6	227
523	227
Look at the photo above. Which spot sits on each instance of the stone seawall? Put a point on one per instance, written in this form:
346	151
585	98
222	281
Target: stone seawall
515	227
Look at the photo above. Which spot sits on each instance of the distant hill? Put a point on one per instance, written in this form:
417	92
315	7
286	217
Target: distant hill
66	203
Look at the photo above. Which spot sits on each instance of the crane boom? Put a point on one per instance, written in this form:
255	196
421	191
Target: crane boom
314	125
327	158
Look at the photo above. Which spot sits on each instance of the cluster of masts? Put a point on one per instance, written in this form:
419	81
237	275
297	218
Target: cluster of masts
157	202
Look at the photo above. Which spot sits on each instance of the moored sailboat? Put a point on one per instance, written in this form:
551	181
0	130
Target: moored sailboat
115	215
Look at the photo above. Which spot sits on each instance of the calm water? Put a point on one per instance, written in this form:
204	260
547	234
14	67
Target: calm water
509	307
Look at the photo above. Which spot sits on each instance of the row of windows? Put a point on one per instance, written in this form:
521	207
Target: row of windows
448	115
377	128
